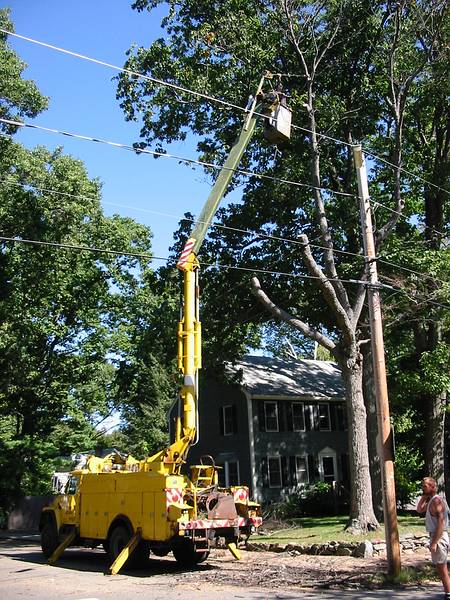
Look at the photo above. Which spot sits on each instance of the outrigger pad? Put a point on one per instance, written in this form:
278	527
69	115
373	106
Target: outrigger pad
234	550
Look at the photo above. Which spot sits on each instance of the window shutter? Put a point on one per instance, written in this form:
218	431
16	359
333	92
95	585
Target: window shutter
222	426
264	472
261	416
312	468
308	426
289	421
293	470
333	417
235	423
285	474
281	416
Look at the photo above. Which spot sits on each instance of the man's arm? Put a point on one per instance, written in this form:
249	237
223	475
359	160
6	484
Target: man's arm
422	504
437	509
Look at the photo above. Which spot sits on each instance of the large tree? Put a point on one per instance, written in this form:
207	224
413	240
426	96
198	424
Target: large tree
70	313
351	70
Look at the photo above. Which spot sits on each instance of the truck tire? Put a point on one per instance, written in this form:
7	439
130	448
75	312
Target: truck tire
49	538
118	539
185	554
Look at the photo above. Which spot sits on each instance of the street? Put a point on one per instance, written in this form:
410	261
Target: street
79	575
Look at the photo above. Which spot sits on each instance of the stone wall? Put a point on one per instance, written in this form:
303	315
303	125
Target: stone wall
409	543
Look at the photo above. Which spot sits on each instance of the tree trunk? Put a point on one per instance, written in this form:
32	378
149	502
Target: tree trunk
433	411
362	517
434	438
372	430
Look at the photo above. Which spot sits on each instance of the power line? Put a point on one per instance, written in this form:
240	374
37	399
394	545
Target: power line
80	248
209	98
400	214
143	255
188	219
174	156
393	165
225	227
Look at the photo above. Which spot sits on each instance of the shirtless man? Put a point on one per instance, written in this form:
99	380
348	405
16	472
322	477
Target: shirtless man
436	522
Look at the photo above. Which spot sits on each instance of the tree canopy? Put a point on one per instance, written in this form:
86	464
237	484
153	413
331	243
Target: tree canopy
79	304
352	72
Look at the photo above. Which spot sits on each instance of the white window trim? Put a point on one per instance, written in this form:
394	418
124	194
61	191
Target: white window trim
266	402
269	458
329	417
224	420
305	457
302	404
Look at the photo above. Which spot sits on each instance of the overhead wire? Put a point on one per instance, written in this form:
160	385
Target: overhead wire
174	156
143	255
209	98
255	234
203	163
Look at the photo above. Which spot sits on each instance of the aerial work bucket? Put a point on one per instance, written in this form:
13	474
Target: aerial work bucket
277	125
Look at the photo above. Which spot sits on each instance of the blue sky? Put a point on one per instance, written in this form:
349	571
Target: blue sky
82	100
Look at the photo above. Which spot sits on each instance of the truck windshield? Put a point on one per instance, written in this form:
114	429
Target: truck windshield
72	485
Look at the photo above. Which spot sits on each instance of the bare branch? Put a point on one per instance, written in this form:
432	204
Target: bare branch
281	314
343	315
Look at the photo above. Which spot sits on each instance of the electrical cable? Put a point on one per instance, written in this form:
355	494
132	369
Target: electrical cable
375	204
209	98
174	156
225	227
150	257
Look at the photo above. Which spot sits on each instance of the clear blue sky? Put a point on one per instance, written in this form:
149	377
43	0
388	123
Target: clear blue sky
82	100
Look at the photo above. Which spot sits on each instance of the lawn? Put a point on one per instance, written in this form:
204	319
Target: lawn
318	530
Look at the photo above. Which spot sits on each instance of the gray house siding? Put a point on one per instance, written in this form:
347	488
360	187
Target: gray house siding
313	444
226	440
296	431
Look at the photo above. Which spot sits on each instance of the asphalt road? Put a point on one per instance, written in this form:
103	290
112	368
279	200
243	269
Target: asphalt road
79	575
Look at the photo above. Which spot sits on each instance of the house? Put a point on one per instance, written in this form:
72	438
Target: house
284	424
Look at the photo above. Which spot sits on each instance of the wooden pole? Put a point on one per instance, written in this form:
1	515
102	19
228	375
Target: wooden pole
384	438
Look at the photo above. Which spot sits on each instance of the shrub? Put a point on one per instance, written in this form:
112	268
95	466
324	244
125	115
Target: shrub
314	500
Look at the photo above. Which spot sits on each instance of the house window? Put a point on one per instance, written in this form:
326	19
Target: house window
298	416
324	417
274	464
328	469
232	473
229	419
301	469
327	465
271	416
228	473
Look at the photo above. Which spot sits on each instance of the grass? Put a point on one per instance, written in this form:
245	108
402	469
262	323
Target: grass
318	530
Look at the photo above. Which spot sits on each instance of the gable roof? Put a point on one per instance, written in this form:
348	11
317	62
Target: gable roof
268	376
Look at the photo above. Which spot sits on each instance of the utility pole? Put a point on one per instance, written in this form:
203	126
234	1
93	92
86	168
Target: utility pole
384	438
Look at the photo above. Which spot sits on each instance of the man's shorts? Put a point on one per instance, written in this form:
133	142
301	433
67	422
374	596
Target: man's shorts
440	556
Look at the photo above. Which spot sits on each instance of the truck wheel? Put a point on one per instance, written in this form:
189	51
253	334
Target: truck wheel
117	541
49	538
185	554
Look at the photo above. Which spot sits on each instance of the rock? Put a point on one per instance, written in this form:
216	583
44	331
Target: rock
364	550
343	551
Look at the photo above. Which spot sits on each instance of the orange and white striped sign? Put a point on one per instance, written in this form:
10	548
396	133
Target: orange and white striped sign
174	496
241	495
185	253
